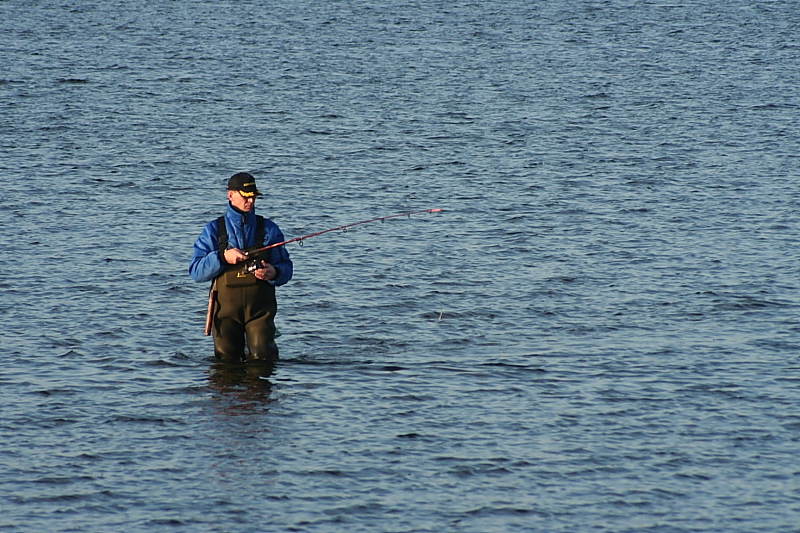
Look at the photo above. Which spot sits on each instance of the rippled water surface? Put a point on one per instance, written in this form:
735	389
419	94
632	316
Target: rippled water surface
598	332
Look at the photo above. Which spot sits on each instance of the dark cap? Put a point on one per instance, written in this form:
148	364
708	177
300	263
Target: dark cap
245	184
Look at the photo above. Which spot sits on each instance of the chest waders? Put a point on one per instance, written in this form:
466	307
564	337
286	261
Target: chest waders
244	310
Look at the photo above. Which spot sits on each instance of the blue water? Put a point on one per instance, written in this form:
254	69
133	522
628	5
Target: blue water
598	332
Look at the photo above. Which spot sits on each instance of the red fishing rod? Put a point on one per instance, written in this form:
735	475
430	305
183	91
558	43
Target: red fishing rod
254	264
300	239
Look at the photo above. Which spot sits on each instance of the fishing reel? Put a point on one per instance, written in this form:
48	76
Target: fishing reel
253	265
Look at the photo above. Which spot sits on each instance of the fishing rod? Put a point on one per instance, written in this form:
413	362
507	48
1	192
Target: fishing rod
304	237
254	263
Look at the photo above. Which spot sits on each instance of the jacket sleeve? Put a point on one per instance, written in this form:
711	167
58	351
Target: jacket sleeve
206	264
279	257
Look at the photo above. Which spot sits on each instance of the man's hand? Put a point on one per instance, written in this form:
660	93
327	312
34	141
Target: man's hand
267	273
234	255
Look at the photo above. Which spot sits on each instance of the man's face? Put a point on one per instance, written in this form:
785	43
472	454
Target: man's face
240	202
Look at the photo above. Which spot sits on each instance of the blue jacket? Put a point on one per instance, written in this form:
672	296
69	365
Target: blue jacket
206	262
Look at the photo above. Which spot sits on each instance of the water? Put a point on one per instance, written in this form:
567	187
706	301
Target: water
599	331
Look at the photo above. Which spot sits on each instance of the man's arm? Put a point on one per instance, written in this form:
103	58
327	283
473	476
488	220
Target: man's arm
206	263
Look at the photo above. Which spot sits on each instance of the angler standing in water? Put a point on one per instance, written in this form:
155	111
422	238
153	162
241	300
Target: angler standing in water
242	302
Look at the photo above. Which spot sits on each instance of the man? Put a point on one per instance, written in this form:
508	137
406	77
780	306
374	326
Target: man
243	287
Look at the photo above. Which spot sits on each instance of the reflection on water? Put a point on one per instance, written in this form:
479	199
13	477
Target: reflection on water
243	386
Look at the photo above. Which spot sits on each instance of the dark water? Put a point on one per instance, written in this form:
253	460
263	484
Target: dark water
599	332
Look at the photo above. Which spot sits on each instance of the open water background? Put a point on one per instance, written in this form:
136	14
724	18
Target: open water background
599	332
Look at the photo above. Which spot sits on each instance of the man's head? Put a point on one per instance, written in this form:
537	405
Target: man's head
242	191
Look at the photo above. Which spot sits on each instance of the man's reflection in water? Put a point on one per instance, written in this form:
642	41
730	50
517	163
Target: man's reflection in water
245	385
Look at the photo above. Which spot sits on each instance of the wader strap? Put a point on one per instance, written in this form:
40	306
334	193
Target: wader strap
222	245
222	236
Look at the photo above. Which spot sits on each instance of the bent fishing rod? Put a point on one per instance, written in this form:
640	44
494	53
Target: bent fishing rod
304	237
